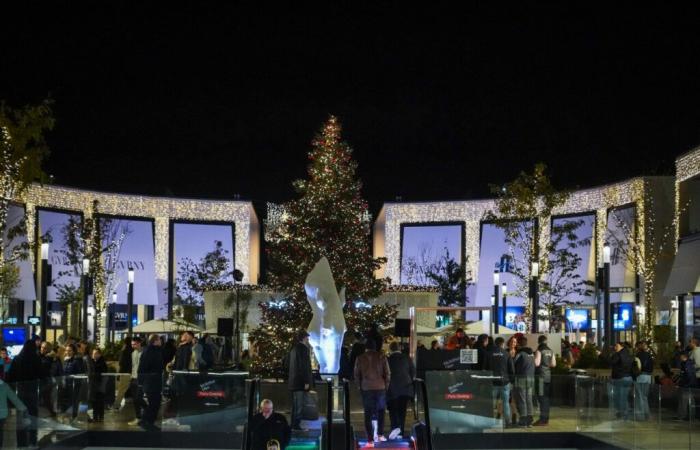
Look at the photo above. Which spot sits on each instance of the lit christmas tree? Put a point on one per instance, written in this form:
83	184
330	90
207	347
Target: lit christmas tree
329	219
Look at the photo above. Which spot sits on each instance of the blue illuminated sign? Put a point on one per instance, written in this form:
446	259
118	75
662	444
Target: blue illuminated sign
578	319
623	316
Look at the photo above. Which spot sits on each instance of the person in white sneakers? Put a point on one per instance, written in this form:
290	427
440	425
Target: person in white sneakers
372	375
400	389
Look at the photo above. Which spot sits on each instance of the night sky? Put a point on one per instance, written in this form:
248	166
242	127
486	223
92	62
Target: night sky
436	102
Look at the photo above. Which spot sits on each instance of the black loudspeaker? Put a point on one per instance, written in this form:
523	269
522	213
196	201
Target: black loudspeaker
224	327
402	328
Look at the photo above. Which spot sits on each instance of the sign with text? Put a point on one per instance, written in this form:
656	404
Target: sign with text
468	356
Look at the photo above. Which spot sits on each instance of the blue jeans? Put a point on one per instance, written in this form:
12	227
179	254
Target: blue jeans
621	393
374	403
503	393
641	397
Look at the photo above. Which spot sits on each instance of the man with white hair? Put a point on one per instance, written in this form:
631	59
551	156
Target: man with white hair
268	427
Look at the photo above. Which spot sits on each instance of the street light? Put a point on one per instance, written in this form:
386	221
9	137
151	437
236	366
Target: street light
237	278
45	281
494	303
535	295
607	314
504	289
130	301
86	293
674	308
110	316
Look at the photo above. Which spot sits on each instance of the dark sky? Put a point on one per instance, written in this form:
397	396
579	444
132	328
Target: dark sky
211	100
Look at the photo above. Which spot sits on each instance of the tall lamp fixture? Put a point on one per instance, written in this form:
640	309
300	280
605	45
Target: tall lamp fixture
496	282
504	293
86	293
45	281
535	295
130	301
237	278
607	313
110	316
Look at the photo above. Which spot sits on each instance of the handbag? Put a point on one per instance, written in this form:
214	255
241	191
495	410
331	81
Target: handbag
310	409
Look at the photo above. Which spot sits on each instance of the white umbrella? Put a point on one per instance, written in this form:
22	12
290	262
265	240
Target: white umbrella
165	326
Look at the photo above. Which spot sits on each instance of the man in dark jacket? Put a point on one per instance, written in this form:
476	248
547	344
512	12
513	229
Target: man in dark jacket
357	349
150	378
24	373
268	426
500	363
525	364
51	368
300	376
687	383
184	352
400	389
621	374
543	378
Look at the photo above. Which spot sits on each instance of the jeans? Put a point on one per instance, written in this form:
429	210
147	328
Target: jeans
621	392
27	434
503	393
397	412
298	398
543	394
523	392
374	403
641	397
686	403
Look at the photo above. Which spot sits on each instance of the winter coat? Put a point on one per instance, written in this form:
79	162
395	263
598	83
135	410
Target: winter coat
95	378
151	369
183	355
73	366
274	427
372	371
621	364
25	369
299	367
50	365
402	374
7	394
499	362
125	360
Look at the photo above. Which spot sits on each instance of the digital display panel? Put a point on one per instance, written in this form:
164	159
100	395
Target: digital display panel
513	317
14	336
578	319
622	316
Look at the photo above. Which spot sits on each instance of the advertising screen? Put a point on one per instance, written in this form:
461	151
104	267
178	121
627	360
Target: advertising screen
578	319
622	316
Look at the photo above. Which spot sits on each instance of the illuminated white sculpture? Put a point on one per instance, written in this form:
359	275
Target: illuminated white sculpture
327	326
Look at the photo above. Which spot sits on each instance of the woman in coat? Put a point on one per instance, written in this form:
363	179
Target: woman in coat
400	389
96	387
24	373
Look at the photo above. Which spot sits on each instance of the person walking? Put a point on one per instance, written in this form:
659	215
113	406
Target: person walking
372	376
546	361
643	382
501	365
24	374
96	385
524	363
687	382
299	376
51	369
150	378
134	388
621	375
72	365
124	377
401	389
267	427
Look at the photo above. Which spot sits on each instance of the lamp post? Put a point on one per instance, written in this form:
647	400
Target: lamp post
496	280
86	293
130	302
535	295
504	289
45	281
237	278
681	318
109	325
493	305
674	309
607	314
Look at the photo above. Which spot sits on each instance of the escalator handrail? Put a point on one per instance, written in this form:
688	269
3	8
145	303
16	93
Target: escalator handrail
251	411
346	414
426	412
329	412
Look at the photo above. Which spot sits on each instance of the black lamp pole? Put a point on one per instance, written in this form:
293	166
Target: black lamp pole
45	281
606	297
504	305
535	294
130	302
86	293
495	301
237	278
